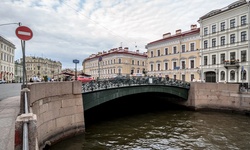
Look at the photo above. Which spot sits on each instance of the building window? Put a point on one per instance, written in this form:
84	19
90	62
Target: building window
222	58
205	31
243	20
205	44
222	75
166	66
120	61
192	47
222	26
183	77
152	54
213	42
243	36
192	63
232	75
183	64
183	48
243	56
205	60
232	23
213	28
232	56
158	52
159	67
174	65
192	77
138	63
243	75
222	40
166	51
174	77
175	49
213	59
152	67
232	38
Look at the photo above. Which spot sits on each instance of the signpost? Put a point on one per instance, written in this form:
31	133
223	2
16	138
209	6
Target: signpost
76	62
24	34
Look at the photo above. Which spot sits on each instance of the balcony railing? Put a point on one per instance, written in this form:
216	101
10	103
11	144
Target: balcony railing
231	64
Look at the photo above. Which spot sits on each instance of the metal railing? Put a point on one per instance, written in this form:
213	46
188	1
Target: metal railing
25	124
124	81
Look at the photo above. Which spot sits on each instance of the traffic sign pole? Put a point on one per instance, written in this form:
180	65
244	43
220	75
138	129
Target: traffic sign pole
24	33
76	62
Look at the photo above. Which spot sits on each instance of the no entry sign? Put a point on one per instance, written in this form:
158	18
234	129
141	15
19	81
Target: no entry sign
24	33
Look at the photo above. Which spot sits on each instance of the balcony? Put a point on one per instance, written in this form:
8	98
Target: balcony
231	64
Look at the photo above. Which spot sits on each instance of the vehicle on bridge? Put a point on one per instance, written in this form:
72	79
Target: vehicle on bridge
85	79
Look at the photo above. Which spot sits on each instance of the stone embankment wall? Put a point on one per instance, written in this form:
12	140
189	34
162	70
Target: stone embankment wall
59	110
218	96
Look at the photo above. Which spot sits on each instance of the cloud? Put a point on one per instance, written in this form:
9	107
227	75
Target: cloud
73	29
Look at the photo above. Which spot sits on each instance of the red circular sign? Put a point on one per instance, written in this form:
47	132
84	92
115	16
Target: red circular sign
24	33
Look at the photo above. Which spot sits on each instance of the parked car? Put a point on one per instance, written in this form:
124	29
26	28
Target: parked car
2	81
85	79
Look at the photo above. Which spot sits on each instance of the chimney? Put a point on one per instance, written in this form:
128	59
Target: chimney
126	48
178	31
193	26
166	35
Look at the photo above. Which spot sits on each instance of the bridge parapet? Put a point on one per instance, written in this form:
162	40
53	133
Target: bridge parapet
123	82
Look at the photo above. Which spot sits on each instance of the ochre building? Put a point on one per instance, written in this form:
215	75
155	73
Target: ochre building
175	56
117	61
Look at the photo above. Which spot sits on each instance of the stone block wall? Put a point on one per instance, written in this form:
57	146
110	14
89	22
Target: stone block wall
59	110
218	96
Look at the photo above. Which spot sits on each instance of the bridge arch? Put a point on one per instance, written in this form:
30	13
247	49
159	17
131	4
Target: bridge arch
95	98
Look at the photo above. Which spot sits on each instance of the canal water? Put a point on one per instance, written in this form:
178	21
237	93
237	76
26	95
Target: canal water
156	125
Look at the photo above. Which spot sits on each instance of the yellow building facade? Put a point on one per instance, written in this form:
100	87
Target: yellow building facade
175	56
117	61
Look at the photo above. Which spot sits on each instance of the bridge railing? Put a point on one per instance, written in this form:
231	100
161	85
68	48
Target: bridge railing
124	81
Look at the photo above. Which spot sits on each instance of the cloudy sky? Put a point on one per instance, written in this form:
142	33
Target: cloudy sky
64	30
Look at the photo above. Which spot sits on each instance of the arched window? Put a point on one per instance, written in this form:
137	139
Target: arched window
158	67
152	67
243	75
232	75
222	75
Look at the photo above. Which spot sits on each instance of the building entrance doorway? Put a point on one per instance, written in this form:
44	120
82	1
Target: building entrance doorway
210	77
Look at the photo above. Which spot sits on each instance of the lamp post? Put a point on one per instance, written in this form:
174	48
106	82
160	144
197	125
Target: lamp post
76	62
99	61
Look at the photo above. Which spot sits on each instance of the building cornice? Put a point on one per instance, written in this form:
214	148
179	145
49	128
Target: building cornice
227	8
176	36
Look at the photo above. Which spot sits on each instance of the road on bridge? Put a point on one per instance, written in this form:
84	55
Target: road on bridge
10	90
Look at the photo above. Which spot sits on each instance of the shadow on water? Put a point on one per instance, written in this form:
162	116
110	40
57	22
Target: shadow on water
130	106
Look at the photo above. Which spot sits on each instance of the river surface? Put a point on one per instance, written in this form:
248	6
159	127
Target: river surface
161	128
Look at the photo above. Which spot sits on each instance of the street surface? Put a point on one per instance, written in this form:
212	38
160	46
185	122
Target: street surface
10	90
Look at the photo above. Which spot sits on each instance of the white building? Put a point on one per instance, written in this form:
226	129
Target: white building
7	52
225	44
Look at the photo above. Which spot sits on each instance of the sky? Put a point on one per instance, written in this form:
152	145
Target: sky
64	30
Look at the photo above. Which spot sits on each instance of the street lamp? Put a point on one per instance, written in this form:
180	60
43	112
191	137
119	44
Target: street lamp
76	62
